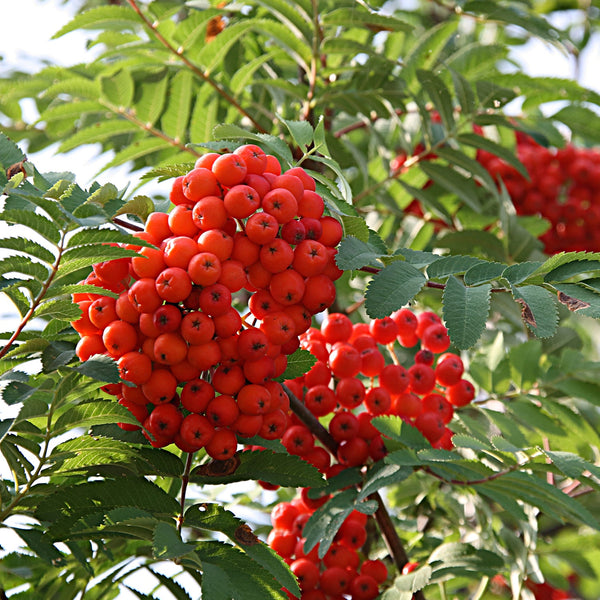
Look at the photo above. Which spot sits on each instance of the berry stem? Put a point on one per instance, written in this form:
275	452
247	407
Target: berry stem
185	479
311	422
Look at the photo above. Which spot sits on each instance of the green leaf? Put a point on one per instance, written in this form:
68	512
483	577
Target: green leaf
383	475
400	431
175	119
525	360
137	150
265	465
10	153
465	312
482	143
456	558
582	121
140	205
464	91
64	507
467	240
537	492
38	223
98	132
360	16
451	265
95	236
508	503
326	521
281	35
425	53
413	582
392	288
167	543
538	309
463	187
228	573
85	452
216	518
572	465
94	412
571	269
30	247
204	114
483	272
151	96
439	94
520	272
459	159
214	53
301	132
354	254
293	15
102	17
417	258
101	368
38	542
298	363
118	88
564	258
578	298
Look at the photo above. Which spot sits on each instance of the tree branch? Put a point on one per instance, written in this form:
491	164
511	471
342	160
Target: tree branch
197	71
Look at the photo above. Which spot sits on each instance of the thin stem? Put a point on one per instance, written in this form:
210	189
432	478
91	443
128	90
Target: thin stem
491	477
37	300
127	224
197	71
185	479
430	284
37	472
130	116
311	422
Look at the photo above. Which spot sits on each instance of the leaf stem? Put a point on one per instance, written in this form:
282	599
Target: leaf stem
129	115
196	70
185	479
36	302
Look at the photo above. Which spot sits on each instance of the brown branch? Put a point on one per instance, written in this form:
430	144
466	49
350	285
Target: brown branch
197	71
127	224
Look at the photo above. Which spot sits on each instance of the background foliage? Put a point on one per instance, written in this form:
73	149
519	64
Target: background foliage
343	88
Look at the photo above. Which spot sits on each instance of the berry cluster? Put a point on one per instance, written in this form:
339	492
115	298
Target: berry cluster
353	381
196	371
562	187
342	572
540	591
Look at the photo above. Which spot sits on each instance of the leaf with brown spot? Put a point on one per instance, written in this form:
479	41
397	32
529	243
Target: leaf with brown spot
219	468
526	313
245	536
573	304
16	168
